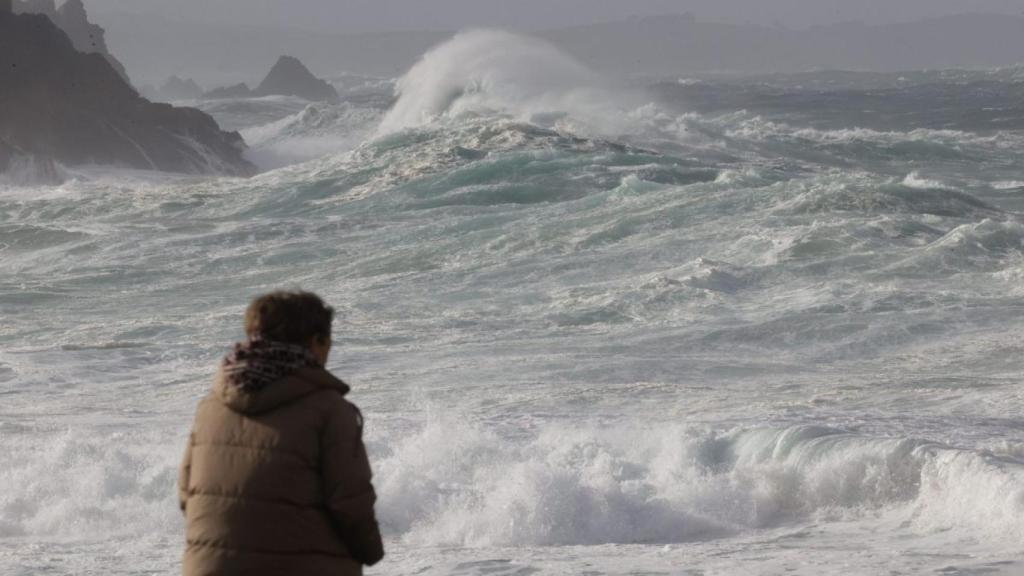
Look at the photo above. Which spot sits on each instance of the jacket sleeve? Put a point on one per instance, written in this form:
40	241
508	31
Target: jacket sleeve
183	475
349	492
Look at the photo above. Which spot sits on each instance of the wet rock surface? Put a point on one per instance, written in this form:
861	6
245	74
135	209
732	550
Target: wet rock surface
73	19
59	103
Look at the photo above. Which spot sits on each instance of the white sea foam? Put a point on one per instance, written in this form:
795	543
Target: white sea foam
1008	184
71	486
31	171
495	72
638	340
320	129
451	483
914	180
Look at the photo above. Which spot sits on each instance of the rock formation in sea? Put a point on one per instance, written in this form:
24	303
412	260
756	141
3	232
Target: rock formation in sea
234	91
289	77
176	88
72	18
74	108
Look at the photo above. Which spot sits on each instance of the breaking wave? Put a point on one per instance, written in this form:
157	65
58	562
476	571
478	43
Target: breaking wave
646	325
320	129
451	483
493	72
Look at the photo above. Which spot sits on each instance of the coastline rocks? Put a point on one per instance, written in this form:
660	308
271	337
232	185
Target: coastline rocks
74	21
60	104
289	77
45	7
179	89
236	91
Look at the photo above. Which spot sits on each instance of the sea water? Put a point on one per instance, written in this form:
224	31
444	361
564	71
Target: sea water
666	326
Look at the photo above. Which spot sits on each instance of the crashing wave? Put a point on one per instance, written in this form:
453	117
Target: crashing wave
454	483
494	72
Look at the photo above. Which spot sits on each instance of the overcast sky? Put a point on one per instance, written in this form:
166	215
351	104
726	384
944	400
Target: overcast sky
347	16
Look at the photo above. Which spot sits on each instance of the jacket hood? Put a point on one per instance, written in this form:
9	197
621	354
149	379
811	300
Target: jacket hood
298	384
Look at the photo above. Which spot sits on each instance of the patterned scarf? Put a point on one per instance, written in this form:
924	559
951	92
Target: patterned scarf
255	364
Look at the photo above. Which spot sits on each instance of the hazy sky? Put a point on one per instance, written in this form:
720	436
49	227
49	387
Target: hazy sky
224	41
346	16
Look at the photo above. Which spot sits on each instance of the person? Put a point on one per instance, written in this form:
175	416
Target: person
275	478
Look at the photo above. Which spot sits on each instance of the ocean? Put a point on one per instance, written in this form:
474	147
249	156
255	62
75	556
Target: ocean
711	325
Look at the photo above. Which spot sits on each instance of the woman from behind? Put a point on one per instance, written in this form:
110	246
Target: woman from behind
275	479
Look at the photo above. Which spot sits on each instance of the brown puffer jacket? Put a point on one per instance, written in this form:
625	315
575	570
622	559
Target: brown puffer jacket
277	482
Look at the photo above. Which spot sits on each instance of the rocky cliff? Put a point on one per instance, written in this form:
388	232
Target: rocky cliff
62	104
74	21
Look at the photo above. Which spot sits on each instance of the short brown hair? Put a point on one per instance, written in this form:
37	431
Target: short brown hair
293	317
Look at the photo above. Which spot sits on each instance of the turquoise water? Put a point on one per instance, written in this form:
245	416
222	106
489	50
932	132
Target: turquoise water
715	326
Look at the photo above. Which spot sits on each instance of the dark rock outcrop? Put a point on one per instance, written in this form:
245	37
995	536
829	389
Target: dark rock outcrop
74	21
289	77
235	91
73	107
45	7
